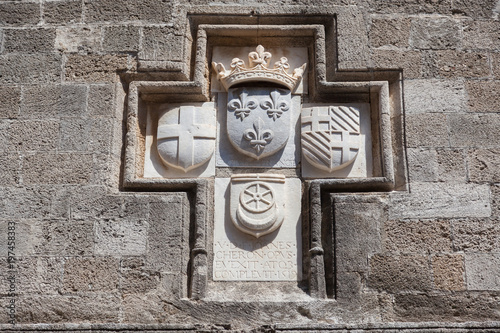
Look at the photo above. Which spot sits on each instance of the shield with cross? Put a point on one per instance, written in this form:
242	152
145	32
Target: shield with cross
186	135
258	119
330	136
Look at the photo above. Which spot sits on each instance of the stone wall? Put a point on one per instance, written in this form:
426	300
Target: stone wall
93	254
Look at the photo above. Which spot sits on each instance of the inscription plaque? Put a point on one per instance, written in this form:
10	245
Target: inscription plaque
238	256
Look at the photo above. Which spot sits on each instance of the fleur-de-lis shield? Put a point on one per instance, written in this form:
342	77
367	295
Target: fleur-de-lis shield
258	120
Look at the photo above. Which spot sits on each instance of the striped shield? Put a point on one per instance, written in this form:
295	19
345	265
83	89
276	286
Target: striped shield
330	136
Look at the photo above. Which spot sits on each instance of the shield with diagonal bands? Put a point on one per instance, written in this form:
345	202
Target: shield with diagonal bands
186	135
330	136
258	120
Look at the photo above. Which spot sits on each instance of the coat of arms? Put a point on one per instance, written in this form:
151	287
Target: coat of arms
186	136
330	136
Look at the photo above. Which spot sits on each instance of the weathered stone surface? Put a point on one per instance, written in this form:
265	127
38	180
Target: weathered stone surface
19	13
435	33
399	273
427	130
63	238
463	307
90	308
28	40
11	98
30	135
100	100
409	61
90	274
135	279
30	68
472	130
352	45
25	202
357	228
10	164
420	236
475	9
422	96
44	101
481	35
23	237
39	275
495	200
495	64
484	96
120	237
422	164
78	39
484	165
413	7
160	43
121	38
449	272
483	271
123	10
451	165
463	64
95	68
390	32
62	11
74	134
61	168
476	235
433	200
100	206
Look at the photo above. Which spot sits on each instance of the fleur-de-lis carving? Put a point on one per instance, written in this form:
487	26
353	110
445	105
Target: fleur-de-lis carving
275	106
242	105
258	136
282	64
259	57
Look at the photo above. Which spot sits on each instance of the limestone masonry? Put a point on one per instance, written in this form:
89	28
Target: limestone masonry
250	166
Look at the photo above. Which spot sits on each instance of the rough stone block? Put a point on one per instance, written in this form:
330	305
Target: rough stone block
100	206
31	135
422	164
435	33
476	235
413	7
427	130
95	68
100	100
399	273
472	130
4	135
455	64
19	13
135	279
100	135
120	237
30	68
88	308
166	234
495	200
483	271
63	238
449	272
74	134
66	198
451	165
484	165
91	274
419	237
437	200
63	11
481	35
41	101
484	96
148	308
447	307
125	10
390	32
23	237
61	168
105	170
78	39
481	9
39	275
10	165
495	64
121	38
423	96
28	40
160	43
352	39
11	98
409	61
357	233
28	202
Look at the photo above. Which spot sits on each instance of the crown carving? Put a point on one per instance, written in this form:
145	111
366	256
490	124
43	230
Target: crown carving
258	70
